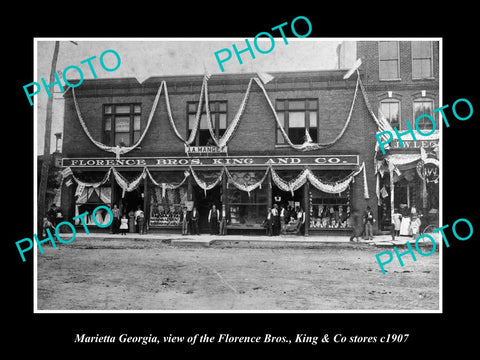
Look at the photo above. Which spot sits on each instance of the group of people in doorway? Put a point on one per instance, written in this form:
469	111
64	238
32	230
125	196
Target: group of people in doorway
217	221
283	220
406	221
134	221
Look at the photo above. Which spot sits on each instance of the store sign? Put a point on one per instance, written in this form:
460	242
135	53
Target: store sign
410	144
279	161
205	150
429	170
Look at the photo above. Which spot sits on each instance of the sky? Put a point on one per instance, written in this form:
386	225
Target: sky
142	58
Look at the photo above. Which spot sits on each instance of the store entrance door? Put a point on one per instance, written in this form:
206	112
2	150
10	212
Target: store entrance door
131	201
204	203
287	200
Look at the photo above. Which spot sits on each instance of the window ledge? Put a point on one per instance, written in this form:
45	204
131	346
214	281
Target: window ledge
426	78
398	79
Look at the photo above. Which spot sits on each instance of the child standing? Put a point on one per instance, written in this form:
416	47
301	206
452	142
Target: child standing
123	224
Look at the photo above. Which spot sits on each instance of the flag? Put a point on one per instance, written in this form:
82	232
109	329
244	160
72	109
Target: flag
266	78
308	139
355	66
69	182
384	192
67	172
423	153
79	190
207	74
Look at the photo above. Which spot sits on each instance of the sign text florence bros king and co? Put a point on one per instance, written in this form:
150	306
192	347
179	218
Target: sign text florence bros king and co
212	161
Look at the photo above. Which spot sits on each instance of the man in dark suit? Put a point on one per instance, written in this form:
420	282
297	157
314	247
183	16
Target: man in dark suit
194	222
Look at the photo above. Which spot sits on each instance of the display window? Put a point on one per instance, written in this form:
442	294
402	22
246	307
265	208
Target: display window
246	209
166	203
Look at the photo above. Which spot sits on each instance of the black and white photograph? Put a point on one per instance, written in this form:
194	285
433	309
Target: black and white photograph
220	181
244	181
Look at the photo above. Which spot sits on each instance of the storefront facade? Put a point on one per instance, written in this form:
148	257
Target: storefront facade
303	140
402	81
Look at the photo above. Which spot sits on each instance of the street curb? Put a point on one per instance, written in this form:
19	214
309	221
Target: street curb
238	241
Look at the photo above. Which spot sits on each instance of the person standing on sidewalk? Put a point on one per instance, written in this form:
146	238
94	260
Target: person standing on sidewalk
300	221
368	219
223	221
213	219
275	220
357	225
140	219
185	221
116	219
268	223
282	219
124	225
194	222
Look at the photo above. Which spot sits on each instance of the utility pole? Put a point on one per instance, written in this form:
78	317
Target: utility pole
42	188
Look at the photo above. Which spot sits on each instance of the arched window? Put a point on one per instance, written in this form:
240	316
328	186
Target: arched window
421	107
390	109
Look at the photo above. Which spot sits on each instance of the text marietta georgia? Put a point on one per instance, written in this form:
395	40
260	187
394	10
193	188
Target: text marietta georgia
235	339
57	235
430	238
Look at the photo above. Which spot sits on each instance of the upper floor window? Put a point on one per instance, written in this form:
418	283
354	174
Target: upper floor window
218	114
297	117
421	107
390	109
389	60
121	124
422	58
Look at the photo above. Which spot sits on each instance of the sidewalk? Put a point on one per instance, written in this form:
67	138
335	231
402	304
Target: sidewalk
252	240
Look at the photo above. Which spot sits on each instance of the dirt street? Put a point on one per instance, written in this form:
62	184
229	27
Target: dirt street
148	275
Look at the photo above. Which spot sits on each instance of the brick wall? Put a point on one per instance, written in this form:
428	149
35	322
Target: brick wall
406	90
256	131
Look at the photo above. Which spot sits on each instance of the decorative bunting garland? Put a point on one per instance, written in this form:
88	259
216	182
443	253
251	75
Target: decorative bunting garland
290	186
203	184
245	187
118	150
308	145
222	142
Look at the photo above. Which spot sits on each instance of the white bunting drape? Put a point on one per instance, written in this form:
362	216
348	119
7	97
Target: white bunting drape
203	184
245	187
124	184
166	186
221	142
290	186
117	150
308	145
232	127
91	184
193	132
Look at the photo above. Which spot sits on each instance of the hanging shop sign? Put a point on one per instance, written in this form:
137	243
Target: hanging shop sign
428	170
205	150
172	162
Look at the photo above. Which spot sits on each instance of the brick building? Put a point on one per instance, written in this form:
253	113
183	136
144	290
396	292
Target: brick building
402	80
323	159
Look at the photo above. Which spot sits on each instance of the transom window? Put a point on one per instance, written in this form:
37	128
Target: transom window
388	54
297	116
218	114
422	59
121	124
